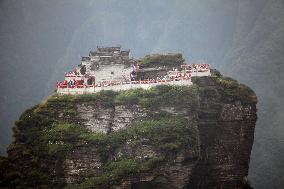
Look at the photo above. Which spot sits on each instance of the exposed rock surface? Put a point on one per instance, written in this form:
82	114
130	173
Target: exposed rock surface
198	136
226	137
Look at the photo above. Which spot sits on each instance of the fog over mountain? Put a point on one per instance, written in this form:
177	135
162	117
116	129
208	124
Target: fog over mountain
40	40
257	59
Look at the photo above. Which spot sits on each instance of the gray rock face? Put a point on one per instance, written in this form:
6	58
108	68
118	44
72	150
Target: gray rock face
79	162
231	112
176	175
95	118
124	116
102	119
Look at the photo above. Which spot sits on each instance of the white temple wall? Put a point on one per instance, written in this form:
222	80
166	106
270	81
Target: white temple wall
121	87
105	72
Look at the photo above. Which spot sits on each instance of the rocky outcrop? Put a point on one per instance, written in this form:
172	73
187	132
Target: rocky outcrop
226	137
197	136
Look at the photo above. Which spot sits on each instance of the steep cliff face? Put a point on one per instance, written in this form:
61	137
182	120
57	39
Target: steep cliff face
226	132
196	136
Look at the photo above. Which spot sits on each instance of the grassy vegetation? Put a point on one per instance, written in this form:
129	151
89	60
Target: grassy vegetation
104	98
160	59
225	87
115	171
32	164
161	96
232	90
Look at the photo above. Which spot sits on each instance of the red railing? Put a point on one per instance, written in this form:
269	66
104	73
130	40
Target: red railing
113	83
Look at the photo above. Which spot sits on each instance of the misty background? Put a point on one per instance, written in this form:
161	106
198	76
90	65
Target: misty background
244	39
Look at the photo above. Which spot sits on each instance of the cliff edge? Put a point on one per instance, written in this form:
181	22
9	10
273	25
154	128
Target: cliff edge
197	136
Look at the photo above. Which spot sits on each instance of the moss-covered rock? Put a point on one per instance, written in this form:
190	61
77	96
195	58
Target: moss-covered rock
134	138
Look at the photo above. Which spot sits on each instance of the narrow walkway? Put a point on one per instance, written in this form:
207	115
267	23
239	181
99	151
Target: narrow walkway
121	86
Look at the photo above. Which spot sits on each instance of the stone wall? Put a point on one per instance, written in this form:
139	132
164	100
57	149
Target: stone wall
112	72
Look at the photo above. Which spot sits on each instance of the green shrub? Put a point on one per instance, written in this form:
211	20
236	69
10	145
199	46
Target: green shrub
115	171
206	92
127	97
104	97
167	133
62	137
162	95
234	90
160	59
228	83
36	178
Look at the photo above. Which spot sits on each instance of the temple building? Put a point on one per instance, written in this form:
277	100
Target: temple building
111	68
108	63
